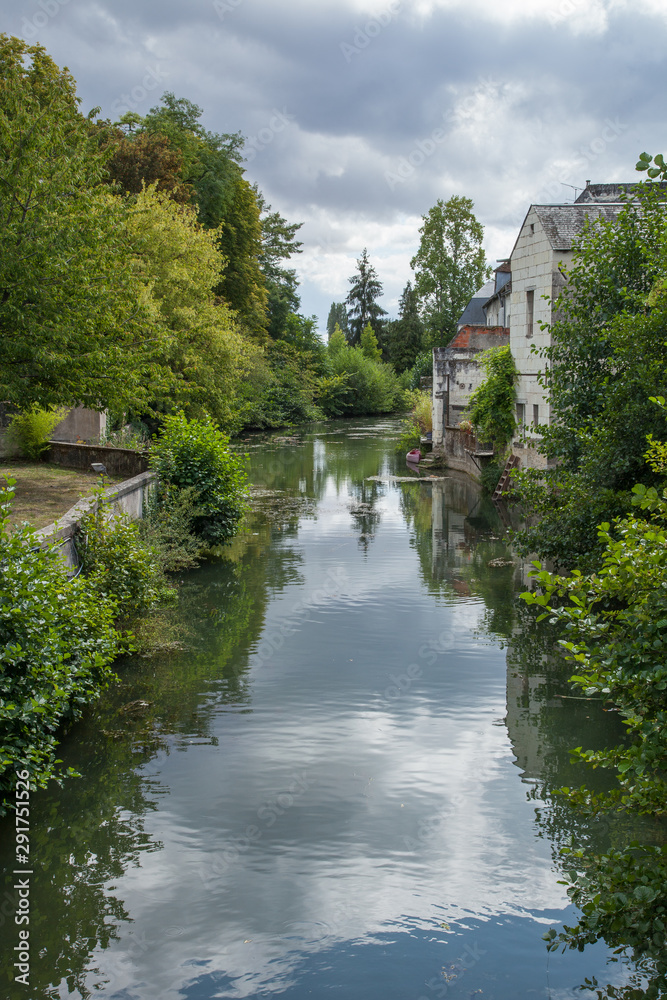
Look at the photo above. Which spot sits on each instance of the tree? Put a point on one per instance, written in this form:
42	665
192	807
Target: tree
405	335
449	266
146	159
178	264
212	167
369	344
73	325
362	299
279	243
337	315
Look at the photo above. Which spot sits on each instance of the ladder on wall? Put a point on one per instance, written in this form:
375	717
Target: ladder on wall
505	479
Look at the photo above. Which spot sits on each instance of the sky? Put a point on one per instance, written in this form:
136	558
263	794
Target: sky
360	114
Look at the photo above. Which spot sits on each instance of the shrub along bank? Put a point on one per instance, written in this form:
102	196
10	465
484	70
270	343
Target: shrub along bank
60	637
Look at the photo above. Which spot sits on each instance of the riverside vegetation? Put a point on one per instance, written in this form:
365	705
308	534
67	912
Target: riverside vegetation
599	513
60	637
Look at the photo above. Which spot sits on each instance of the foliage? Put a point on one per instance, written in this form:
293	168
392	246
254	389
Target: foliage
73	329
177	263
279	243
194	454
405	335
30	431
142	160
422	368
58	641
419	422
608	353
361	300
369	344
490	476
167	528
491	406
225	202
364	385
337	317
423	411
449	266
616	622
337	341
117	562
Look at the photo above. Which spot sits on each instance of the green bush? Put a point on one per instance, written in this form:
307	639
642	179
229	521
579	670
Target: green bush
194	455
29	432
490	477
358	384
57	640
118	563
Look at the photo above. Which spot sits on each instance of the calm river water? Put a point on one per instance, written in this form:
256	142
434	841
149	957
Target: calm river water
335	787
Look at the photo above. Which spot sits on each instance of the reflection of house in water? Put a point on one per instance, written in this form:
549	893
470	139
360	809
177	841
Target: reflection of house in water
451	505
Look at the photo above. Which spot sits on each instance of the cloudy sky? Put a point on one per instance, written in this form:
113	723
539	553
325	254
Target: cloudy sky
360	114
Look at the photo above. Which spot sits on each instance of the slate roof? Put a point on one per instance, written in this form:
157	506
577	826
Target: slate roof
473	314
563	223
603	193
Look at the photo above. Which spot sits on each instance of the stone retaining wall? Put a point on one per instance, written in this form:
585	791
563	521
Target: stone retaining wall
118	461
129	497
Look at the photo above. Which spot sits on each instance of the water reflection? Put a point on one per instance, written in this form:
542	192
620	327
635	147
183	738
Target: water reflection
321	793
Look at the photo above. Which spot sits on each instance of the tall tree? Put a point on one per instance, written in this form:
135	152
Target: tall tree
361	300
405	335
337	314
449	266
73	327
279	243
224	198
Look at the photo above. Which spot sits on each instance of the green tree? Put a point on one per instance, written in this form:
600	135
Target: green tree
362	301
224	198
73	327
449	266
405	335
177	262
279	243
369	344
337	315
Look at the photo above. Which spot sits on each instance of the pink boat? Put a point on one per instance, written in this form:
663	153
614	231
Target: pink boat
414	456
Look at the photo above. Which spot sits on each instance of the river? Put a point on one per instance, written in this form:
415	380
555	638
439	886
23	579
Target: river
333	788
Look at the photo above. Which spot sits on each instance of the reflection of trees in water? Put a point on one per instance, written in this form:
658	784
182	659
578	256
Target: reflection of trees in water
162	703
456	534
546	718
365	516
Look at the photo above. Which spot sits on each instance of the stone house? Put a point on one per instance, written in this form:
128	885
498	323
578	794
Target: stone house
519	304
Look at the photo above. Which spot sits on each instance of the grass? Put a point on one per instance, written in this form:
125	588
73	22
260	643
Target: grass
46	492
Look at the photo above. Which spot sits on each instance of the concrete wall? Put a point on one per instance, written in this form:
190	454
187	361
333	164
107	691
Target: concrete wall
536	268
118	461
129	498
81	424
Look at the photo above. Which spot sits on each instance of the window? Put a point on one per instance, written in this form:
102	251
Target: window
520	414
530	312
536	415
